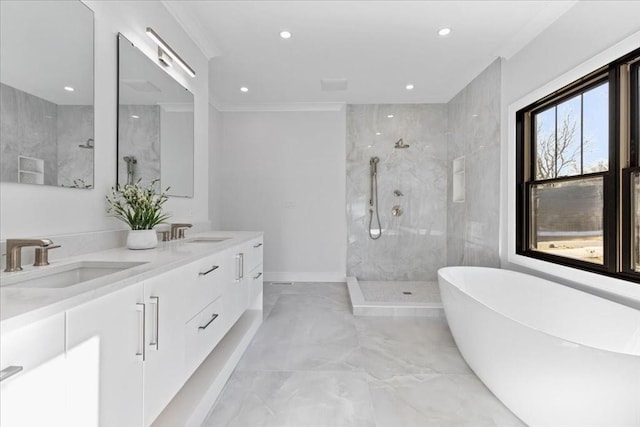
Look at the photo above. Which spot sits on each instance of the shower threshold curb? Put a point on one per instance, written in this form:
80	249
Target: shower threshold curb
362	307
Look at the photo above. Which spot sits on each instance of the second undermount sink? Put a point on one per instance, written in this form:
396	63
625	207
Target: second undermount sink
62	276
208	239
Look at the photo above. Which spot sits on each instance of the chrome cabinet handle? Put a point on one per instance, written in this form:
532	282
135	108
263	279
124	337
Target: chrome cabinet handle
141	309
238	267
213	267
214	317
241	265
9	371
258	276
156	323
258	245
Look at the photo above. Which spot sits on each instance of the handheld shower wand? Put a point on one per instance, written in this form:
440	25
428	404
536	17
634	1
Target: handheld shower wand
131	168
373	199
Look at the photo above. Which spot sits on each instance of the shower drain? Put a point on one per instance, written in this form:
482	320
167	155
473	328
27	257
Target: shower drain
407	293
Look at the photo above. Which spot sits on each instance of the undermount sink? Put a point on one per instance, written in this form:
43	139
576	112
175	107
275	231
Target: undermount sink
208	239
62	276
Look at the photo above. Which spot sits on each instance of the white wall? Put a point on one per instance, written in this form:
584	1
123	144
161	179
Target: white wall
589	35
215	164
284	173
27	211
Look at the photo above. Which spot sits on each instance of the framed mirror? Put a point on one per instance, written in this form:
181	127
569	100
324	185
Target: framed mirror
155	124
46	93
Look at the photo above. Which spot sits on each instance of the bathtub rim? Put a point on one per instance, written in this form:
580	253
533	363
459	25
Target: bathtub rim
598	348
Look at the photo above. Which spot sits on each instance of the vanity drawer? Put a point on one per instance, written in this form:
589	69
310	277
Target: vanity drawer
252	255
33	386
204	332
209	279
255	285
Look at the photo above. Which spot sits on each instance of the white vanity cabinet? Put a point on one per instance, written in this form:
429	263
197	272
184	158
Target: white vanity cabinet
152	351
254	272
105	351
32	389
166	300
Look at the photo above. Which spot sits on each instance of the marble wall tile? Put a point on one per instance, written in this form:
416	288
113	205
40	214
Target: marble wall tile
27	128
75	128
139	137
413	245
474	132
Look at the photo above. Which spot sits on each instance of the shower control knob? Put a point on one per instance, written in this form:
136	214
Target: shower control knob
396	210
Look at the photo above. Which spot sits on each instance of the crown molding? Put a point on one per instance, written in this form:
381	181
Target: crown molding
193	28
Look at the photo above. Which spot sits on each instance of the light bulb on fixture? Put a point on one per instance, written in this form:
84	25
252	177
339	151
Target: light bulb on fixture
244	89
444	32
69	89
409	87
166	49
285	34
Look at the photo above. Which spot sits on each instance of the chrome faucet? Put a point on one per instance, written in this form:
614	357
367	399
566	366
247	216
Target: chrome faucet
14	251
177	230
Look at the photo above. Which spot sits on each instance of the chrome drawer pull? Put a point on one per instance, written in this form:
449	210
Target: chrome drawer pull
142	331
258	245
9	371
213	267
258	276
214	317
156	323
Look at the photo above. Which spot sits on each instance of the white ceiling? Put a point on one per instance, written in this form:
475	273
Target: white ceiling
379	46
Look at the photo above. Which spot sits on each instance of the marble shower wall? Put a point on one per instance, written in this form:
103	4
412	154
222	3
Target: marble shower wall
75	128
139	136
34	127
474	123
27	128
413	245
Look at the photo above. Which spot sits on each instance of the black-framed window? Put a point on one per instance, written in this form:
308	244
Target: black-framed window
578	173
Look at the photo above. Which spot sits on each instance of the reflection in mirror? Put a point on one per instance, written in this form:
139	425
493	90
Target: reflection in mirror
155	124
46	93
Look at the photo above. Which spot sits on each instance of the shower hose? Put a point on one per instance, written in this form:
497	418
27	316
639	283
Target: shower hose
373	207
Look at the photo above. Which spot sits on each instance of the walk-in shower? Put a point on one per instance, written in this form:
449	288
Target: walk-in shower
396	207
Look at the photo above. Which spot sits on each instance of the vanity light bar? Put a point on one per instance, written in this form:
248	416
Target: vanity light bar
166	48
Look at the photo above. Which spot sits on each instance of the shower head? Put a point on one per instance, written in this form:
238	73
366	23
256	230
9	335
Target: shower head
130	159
374	160
400	144
88	144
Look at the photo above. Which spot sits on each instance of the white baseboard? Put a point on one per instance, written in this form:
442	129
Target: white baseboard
283	276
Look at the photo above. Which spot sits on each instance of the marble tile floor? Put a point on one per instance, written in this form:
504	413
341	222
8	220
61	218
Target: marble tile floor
312	363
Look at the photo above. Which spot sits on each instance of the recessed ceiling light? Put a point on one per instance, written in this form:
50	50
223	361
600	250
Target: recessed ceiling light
369	146
378	133
244	89
409	87
389	116
285	34
444	32
69	89
135	117
474	115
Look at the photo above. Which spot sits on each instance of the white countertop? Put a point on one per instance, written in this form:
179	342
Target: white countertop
21	306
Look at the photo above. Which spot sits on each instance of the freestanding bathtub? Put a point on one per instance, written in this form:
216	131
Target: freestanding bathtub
555	356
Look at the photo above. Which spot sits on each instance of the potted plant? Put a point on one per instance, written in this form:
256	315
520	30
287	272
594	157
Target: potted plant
141	209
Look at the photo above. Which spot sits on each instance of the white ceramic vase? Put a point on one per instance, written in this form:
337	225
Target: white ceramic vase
142	239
